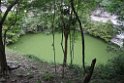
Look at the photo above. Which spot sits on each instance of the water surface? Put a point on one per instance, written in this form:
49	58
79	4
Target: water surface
40	45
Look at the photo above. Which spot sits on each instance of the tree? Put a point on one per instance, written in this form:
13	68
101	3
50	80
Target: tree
3	62
65	23
81	31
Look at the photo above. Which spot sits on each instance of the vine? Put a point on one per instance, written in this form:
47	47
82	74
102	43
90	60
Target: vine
82	34
53	34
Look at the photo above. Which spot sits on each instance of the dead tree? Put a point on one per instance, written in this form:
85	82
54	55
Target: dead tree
88	75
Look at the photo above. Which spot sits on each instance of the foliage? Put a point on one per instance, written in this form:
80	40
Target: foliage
15	21
118	64
42	21
37	23
85	9
12	35
103	31
115	49
38	16
103	72
38	81
116	7
38	4
42	14
48	76
12	26
39	19
76	70
114	69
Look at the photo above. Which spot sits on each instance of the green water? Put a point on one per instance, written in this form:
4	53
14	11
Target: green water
40	45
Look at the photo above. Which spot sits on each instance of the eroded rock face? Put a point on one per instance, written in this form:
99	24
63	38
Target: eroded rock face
101	15
118	39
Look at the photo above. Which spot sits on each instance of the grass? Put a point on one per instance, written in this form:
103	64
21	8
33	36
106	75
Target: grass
40	45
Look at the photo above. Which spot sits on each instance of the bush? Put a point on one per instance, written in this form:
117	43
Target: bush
114	69
103	72
12	28
104	31
118	64
12	35
48	76
76	69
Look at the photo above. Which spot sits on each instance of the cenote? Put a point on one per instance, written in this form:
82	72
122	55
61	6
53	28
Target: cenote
40	45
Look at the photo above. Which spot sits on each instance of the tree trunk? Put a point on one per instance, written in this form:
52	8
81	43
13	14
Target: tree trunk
89	74
65	52
4	68
3	61
66	49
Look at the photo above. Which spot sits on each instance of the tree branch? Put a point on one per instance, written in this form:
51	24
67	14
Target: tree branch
7	11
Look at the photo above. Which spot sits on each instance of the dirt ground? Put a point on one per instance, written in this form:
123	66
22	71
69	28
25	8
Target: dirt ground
35	71
32	70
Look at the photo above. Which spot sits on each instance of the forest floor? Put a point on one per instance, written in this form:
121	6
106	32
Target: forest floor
32	70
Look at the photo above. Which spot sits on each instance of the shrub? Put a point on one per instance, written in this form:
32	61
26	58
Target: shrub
48	76
12	37
103	72
104	31
12	26
118	64
76	69
114	69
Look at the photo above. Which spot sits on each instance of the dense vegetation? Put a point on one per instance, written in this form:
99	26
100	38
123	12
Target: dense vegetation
66	17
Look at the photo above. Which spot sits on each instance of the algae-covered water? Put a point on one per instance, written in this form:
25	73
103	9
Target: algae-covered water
40	45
